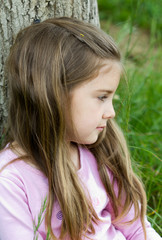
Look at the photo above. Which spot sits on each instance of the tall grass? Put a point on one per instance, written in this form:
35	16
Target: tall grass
139	108
145	14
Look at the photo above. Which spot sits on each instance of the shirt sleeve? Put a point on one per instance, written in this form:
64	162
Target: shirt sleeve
15	217
133	231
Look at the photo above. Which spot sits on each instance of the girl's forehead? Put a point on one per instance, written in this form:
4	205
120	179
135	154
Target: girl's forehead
107	64
108	75
106	68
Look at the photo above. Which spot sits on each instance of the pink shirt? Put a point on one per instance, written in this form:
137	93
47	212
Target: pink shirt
24	188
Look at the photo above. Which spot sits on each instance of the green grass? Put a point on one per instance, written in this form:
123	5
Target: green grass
37	222
139	108
140	118
145	14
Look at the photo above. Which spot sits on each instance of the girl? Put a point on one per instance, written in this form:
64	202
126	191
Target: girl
66	171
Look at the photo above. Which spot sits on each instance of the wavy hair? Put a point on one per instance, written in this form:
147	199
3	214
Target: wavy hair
46	61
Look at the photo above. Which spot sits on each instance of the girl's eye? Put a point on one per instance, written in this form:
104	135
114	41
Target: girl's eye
102	98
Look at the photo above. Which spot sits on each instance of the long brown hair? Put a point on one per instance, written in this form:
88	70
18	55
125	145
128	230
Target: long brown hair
46	61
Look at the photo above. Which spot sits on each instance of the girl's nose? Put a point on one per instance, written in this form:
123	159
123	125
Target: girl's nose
109	113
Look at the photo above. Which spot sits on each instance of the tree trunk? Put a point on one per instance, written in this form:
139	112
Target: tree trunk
16	14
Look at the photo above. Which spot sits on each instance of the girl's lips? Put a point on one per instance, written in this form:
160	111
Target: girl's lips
100	128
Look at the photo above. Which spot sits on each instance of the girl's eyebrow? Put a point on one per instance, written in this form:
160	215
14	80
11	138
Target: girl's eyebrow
105	90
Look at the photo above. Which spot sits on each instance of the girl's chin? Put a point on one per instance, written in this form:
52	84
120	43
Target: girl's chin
87	141
83	140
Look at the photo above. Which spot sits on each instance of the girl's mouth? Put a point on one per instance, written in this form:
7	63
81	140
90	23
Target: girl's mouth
100	128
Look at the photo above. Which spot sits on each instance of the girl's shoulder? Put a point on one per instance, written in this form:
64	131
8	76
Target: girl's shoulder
20	176
10	176
12	164
6	156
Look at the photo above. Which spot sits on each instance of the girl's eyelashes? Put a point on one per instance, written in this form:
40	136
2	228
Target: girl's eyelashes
102	98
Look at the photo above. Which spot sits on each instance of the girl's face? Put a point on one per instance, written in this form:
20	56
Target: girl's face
91	104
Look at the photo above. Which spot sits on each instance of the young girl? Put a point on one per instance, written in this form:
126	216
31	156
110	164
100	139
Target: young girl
66	171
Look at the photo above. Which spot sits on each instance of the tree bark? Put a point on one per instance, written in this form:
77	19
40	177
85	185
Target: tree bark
16	14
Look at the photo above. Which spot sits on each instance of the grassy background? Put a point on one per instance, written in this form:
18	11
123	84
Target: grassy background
136	26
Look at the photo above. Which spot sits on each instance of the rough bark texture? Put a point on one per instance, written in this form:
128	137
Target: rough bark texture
16	14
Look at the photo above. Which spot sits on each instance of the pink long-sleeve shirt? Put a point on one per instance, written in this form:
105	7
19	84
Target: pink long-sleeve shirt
23	189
